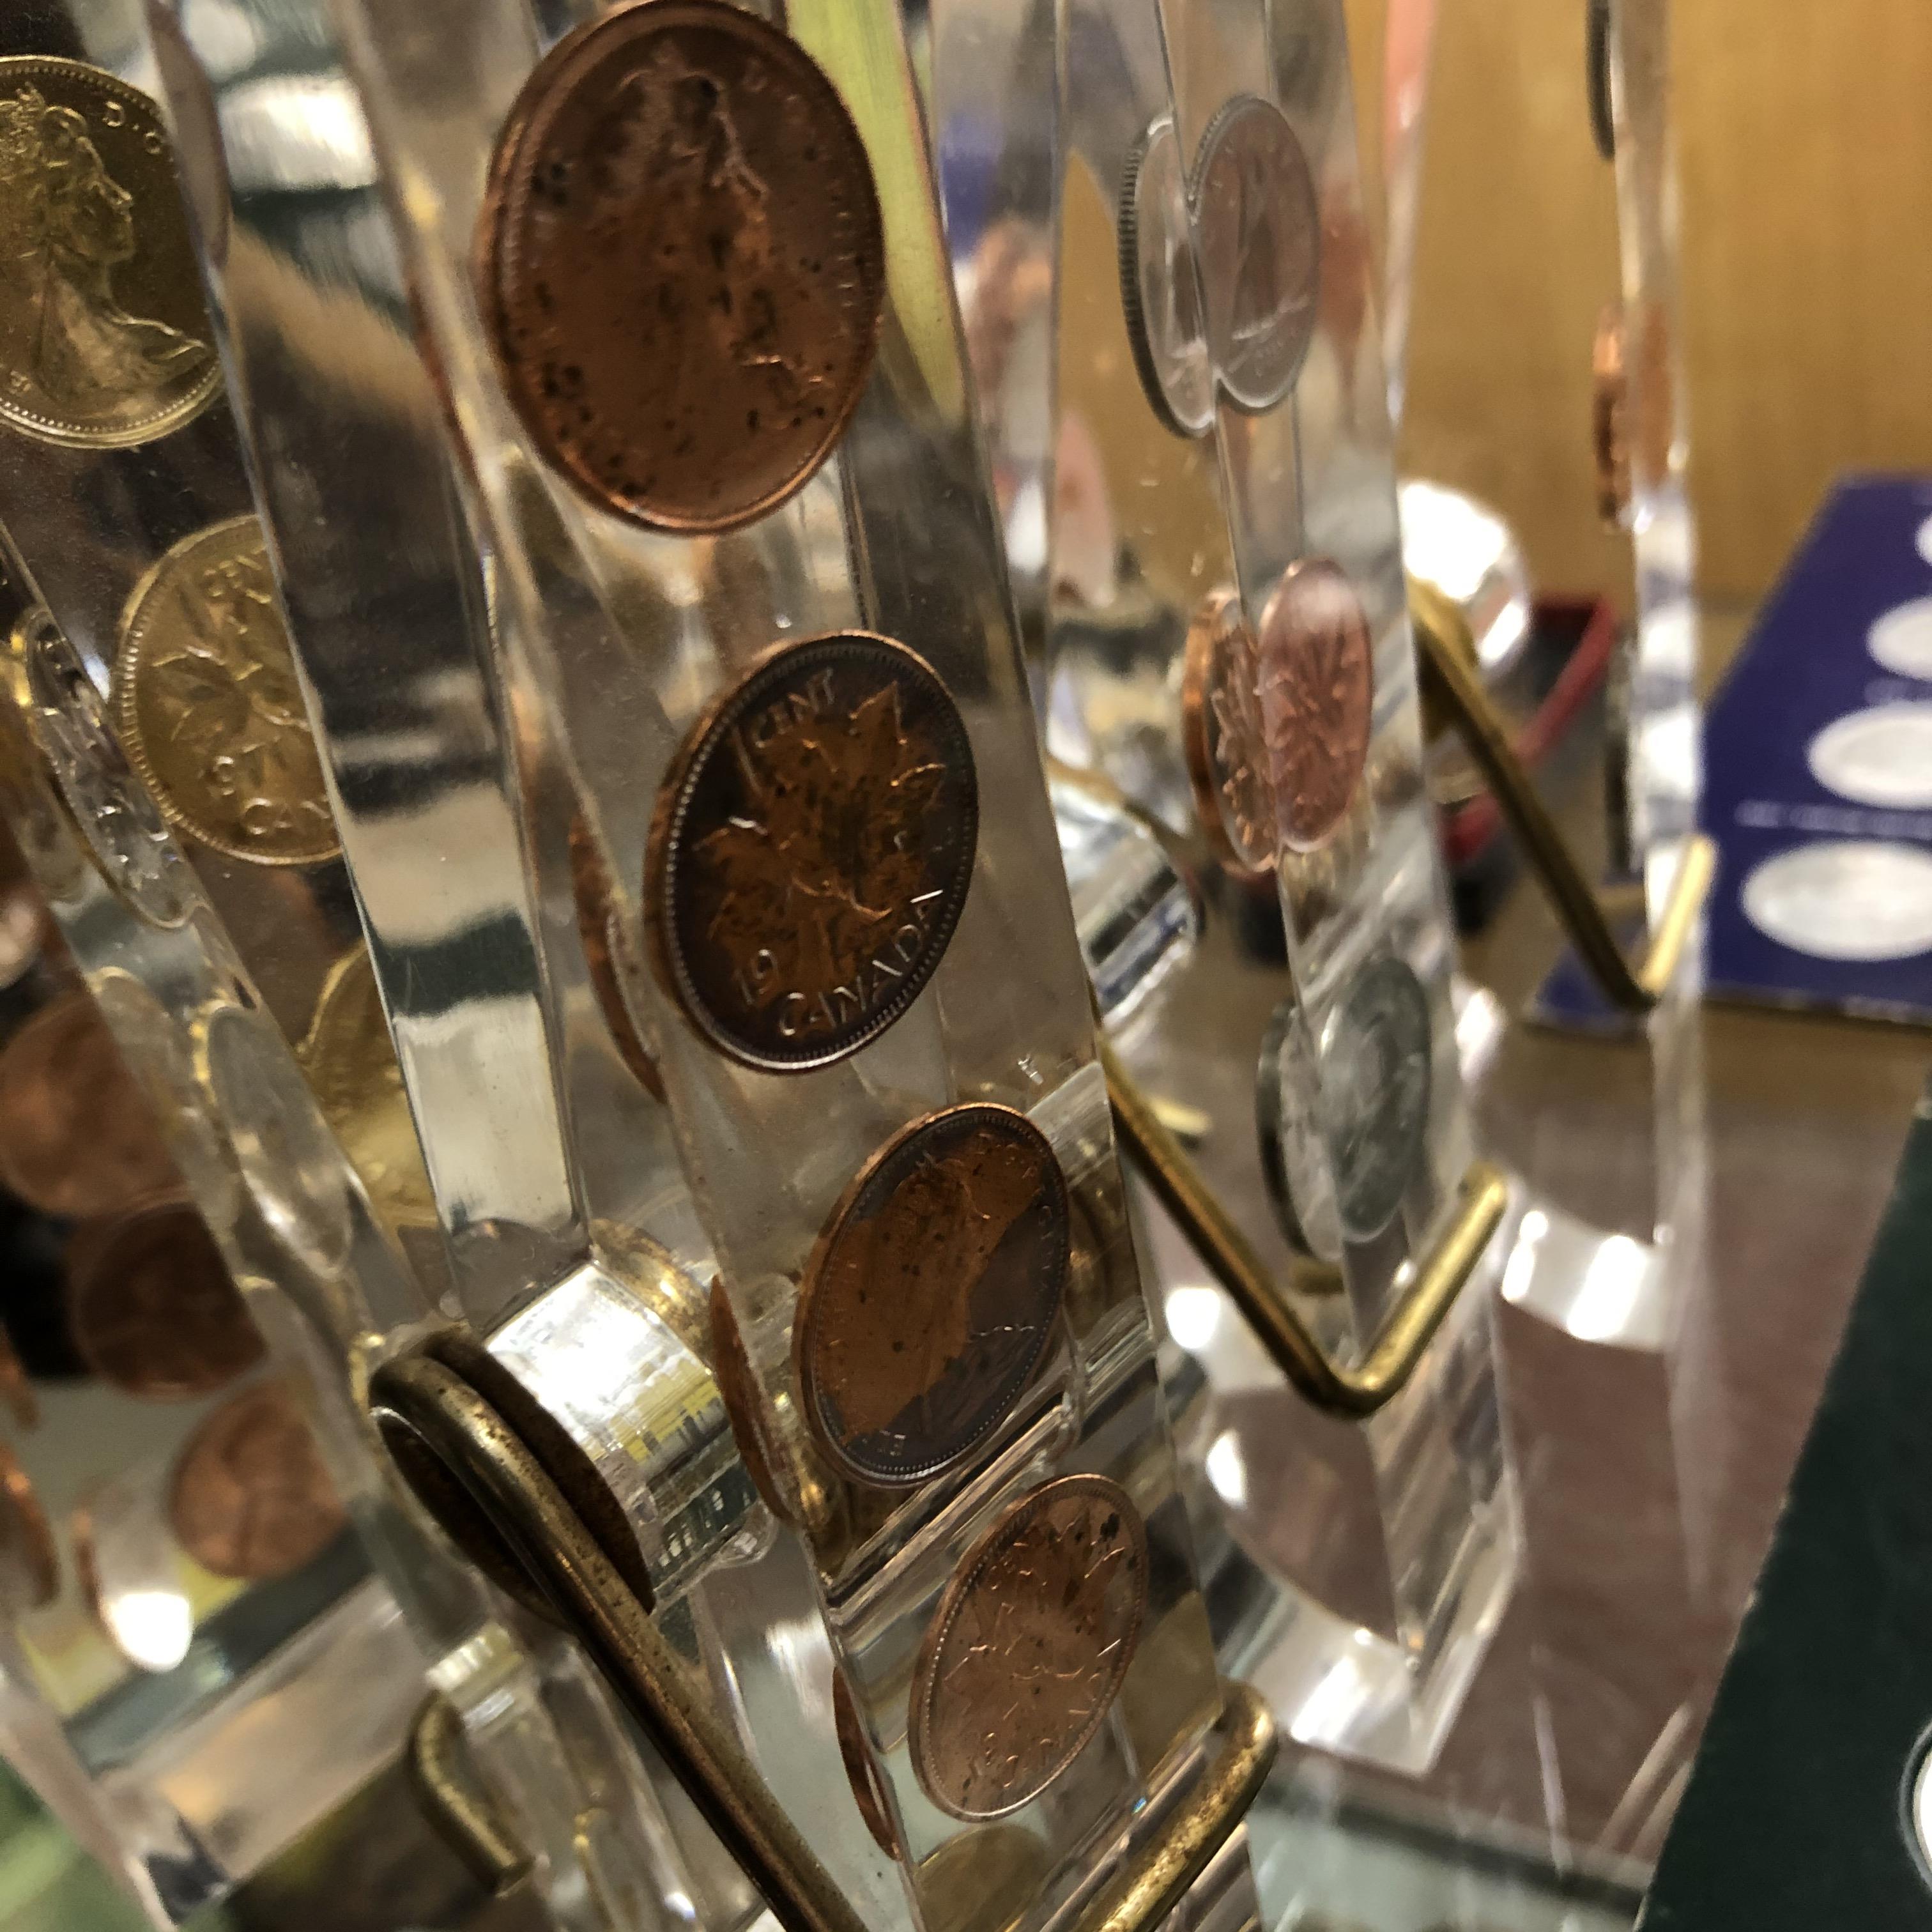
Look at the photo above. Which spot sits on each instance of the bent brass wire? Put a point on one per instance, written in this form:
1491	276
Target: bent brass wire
1436	1279
455	1803
1448	658
468	1438
1155	1878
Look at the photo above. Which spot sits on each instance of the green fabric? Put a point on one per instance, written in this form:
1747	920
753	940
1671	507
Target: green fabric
1794	1816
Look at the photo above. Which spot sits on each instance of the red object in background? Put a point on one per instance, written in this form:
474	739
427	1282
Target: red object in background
1469	828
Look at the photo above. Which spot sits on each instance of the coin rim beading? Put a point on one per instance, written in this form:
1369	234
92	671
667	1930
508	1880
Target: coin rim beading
1133	304
669	818
505	204
124	695
810	1280
926	1682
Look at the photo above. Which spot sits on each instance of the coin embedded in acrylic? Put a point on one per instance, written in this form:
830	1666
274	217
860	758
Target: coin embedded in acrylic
250	1497
77	1137
1223	735
602	938
1159	288
210	712
152	1306
1259	225
868	1790
1294	1156
681	262
1376	1085
811	849
932	1292
1028	1647
1317	699
103	339
29	1557
1610	408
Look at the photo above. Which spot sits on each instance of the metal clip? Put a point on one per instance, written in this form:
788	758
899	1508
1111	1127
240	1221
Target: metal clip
1448	655
1437	1279
444	1420
452	1796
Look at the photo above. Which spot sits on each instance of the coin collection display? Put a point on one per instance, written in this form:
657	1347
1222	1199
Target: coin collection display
543	788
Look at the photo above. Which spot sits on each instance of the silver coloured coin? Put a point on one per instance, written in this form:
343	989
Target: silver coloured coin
1844	898
1295	1158
1259	225
1159	289
1881	757
1376	1090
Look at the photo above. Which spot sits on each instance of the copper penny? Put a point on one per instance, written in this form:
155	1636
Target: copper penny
104	339
1318	699
681	262
931	1295
1259	226
1609	398
29	1557
210	711
1029	1646
867	1792
811	849
1223	734
250	1497
77	1137
602	938
744	1408
152	1306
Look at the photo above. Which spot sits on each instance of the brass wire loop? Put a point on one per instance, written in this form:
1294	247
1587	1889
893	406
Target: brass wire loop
1437	1279
456	1805
470	1440
1448	657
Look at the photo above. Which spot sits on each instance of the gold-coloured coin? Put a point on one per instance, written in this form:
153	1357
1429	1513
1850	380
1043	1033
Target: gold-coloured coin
351	1066
209	709
681	262
250	1497
1029	1647
103	339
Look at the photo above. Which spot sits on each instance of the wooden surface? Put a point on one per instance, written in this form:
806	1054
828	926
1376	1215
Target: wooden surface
1806	161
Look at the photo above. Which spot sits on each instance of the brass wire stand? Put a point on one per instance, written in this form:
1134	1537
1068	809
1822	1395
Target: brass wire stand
463	1812
432	1411
1449	659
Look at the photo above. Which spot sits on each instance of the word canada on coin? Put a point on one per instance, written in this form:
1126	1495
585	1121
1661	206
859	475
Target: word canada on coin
1029	1646
811	849
681	262
104	339
1223	735
250	1498
152	1306
1375	1082
931	1296
1260	228
1317	699
210	711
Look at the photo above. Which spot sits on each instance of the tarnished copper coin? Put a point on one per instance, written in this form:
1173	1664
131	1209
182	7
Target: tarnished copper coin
1259	225
76	1136
210	712
744	1408
1318	699
681	262
1223	734
104	339
250	1497
598	929
1028	1647
152	1307
932	1293
29	1557
811	849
